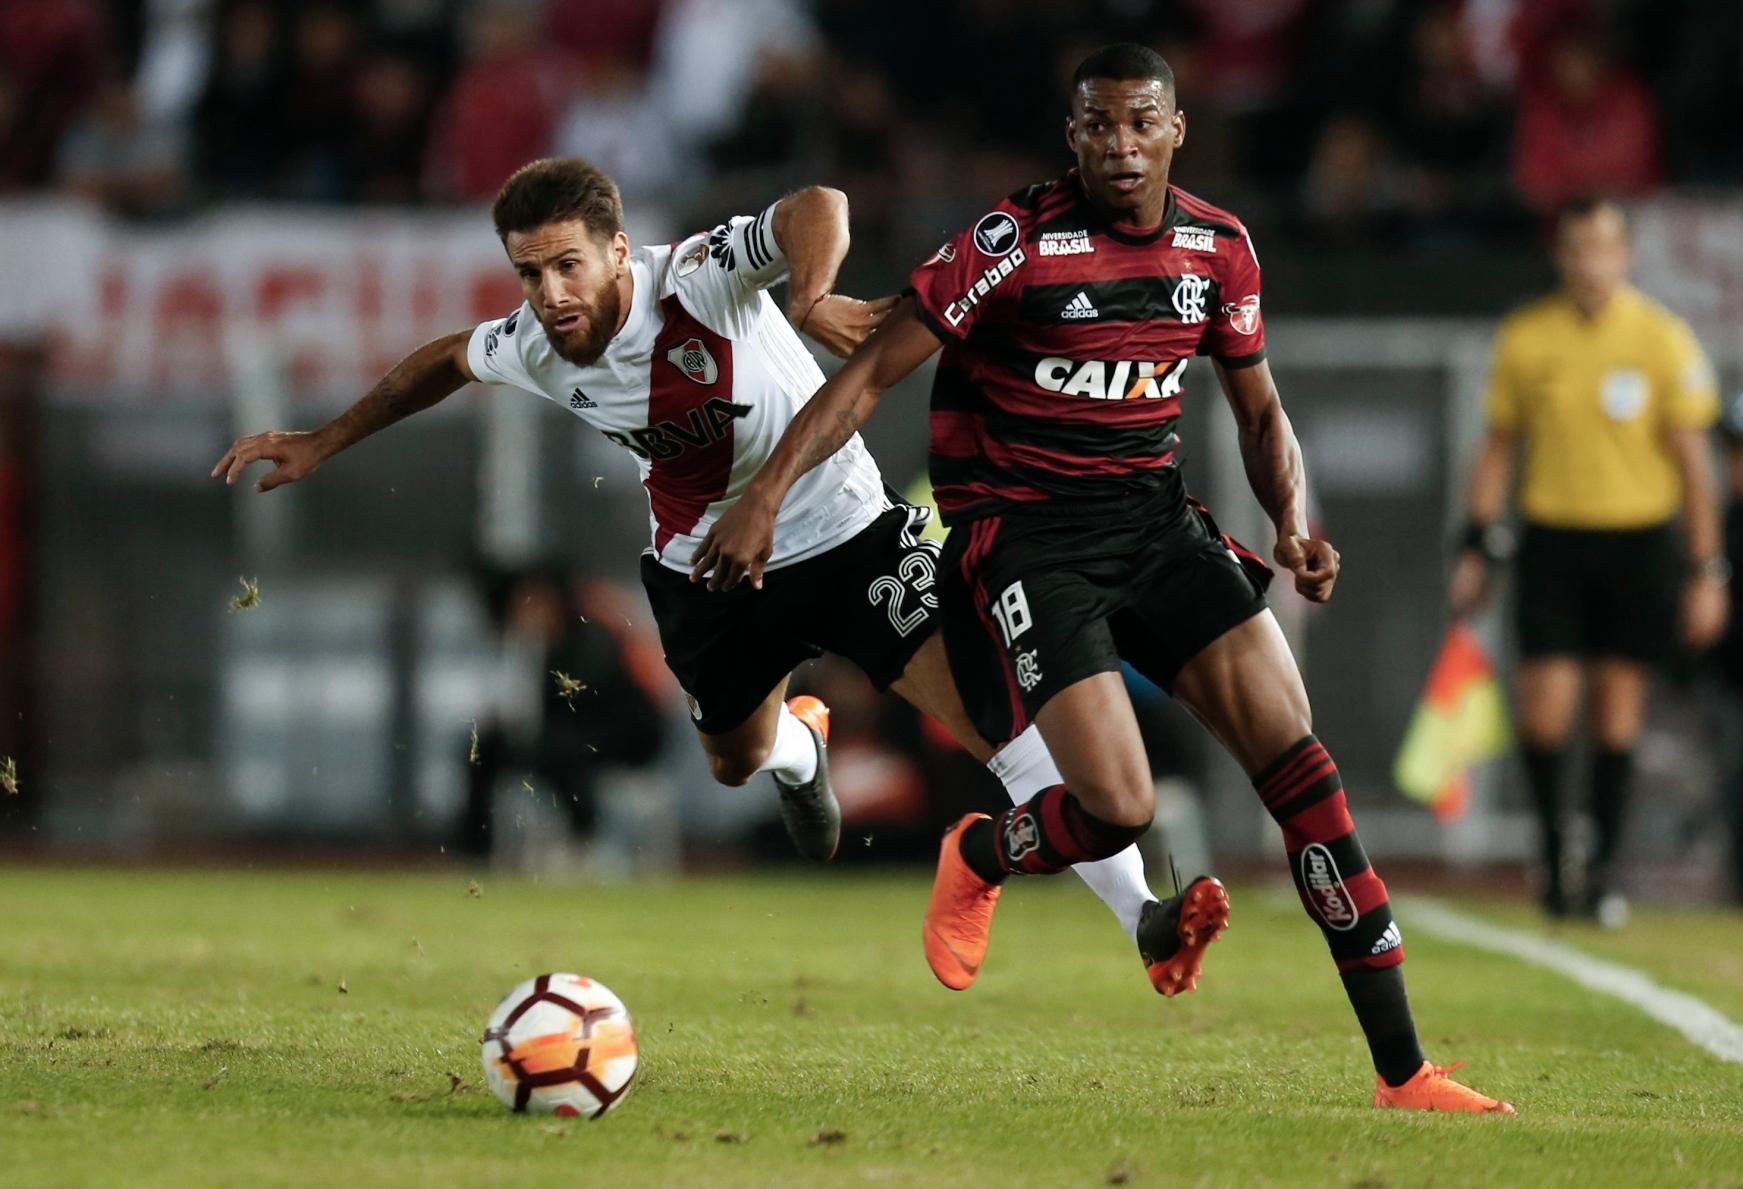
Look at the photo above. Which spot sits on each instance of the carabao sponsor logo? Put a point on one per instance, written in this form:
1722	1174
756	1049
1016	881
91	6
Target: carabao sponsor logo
957	310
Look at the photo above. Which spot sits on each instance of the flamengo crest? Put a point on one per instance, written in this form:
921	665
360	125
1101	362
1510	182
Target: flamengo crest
1189	298
693	359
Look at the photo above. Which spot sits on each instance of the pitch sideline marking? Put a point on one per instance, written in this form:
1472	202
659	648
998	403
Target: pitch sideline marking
1692	1017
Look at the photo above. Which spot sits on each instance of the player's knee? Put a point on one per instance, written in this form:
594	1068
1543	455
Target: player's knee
1617	731
734	769
1544	734
1131	804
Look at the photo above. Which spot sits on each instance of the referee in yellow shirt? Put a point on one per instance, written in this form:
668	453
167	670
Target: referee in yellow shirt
1610	400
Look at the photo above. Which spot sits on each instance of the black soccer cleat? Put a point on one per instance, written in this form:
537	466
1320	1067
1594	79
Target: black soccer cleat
1173	934
810	811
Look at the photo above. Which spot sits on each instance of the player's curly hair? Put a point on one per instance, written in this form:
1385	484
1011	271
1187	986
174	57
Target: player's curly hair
555	190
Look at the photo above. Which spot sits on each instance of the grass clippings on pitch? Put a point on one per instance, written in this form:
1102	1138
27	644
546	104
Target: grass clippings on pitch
181	1028
249	599
567	686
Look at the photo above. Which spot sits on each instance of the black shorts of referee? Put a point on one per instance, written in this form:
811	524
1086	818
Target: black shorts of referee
1599	593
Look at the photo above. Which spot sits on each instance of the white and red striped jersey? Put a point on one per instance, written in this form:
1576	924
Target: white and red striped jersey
699	385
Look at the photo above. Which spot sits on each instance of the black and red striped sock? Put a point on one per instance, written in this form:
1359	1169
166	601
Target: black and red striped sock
1043	836
1345	897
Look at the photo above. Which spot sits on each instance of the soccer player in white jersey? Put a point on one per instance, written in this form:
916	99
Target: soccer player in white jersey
678	354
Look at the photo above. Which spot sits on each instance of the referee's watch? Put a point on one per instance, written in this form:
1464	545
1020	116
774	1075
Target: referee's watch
1495	542
1714	569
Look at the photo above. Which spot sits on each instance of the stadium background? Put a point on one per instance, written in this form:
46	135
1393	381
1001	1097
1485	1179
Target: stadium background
220	217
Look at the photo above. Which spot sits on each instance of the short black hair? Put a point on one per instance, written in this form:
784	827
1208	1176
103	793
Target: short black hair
1122	61
1584	206
555	190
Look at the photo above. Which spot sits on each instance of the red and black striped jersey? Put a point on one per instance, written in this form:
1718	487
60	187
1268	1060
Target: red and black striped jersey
1065	339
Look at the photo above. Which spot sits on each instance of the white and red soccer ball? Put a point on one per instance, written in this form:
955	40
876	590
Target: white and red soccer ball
560	1044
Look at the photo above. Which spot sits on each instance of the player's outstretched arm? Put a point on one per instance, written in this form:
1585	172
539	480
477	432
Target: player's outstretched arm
420	380
743	539
1275	472
811	229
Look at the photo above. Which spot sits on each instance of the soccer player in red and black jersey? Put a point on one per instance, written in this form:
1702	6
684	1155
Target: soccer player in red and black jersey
1067	315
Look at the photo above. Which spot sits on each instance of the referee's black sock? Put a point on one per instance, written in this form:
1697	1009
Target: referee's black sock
1611	769
1543	773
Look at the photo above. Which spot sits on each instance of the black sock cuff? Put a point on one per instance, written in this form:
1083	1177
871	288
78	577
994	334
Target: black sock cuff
1290	754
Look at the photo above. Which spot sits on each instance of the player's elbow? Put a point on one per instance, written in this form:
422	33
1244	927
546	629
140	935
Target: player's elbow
455	348
824	205
827	198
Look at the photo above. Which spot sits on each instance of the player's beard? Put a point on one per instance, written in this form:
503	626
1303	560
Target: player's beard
584	347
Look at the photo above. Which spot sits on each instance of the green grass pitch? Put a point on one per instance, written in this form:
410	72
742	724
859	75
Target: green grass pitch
166	1027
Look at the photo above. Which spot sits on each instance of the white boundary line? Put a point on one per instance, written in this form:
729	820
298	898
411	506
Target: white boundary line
1688	1015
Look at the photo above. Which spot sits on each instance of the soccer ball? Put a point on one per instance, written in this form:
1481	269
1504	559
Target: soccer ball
560	1044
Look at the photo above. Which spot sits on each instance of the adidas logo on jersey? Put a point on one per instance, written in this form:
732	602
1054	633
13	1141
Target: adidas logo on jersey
580	400
1390	940
1080	307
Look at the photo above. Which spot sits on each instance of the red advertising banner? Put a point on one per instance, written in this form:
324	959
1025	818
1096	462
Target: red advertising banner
328	300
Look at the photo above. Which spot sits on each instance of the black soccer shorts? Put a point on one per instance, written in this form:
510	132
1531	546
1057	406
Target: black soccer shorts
1599	594
1035	603
872	599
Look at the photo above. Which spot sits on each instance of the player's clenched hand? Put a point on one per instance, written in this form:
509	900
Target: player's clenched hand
842	323
738	546
1314	564
296	455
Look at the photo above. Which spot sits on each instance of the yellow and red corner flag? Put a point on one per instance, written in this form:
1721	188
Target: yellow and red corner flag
1460	721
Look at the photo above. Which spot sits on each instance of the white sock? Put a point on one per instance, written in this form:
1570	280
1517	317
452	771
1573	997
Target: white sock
1025	767
793	758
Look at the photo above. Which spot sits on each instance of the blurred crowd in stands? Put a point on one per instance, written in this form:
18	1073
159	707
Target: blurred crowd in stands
1353	117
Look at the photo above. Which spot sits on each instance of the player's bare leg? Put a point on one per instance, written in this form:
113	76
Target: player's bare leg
927	686
1246	689
1025	767
1550	688
1618	711
788	741
737	755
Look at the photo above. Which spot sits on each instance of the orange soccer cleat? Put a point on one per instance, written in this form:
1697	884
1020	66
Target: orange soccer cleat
810	811
1173	934
1430	1089
812	712
959	917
